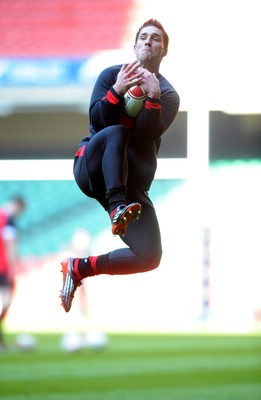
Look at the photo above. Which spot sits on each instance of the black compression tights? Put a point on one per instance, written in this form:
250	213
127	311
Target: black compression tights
105	162
106	156
143	239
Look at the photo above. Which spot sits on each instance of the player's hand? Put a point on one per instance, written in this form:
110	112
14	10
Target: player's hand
129	75
150	84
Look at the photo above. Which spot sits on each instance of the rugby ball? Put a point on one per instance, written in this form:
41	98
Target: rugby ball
134	100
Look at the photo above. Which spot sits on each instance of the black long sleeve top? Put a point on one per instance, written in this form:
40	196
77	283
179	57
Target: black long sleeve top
107	109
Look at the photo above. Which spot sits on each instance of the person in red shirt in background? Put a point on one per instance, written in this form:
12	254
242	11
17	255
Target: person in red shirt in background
8	256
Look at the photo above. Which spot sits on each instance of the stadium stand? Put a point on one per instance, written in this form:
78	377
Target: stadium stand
55	209
61	28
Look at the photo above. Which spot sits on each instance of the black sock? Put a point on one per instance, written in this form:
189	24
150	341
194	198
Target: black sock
90	266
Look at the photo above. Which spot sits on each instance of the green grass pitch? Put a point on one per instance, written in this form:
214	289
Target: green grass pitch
136	367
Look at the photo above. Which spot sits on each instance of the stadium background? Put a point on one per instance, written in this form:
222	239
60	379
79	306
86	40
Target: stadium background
209	165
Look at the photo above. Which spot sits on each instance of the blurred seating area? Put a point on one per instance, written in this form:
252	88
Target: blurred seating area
61	28
55	209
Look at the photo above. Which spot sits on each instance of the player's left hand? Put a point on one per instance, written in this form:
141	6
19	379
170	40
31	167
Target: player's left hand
150	83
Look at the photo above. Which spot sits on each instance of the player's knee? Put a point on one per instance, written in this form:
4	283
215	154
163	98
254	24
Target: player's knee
152	261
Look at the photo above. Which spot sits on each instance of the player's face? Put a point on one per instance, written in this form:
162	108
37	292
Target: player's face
150	45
